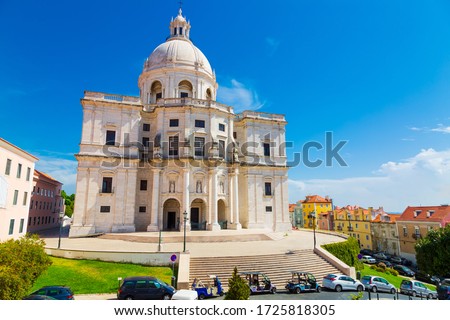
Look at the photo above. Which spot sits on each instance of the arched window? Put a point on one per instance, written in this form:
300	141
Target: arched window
185	89
208	94
156	91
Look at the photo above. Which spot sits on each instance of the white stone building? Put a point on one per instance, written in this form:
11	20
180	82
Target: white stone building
16	183
145	161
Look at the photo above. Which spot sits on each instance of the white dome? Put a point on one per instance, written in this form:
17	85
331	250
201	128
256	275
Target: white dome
178	52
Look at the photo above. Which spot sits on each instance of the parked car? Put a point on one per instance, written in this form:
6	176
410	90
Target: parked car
366	252
443	290
406	262
56	292
396	259
416	288
375	284
380	256
425	277
302	282
38	297
211	288
258	282
144	288
404	271
368	259
339	282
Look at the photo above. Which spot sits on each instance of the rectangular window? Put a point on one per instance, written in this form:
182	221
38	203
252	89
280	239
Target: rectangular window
221	127
184	94
142	209
110	138
143	185
31	205
173	123
199	123
234	135
22	221
28	173
267	189
25	198
146	127
11	226
145	142
158	96
268	208
199	146
173	146
405	231
222	148
105	208
19	170
16	195
107	185
8	167
266	149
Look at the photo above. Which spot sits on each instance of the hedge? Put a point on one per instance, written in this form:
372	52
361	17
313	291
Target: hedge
347	251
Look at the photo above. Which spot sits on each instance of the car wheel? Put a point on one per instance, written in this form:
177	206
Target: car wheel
273	290
201	297
374	289
430	296
360	288
338	288
129	298
319	289
414	294
393	290
297	290
166	297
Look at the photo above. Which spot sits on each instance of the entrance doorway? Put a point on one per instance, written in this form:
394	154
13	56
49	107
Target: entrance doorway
171	212
171	220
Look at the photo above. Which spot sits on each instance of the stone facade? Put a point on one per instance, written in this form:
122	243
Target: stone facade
175	155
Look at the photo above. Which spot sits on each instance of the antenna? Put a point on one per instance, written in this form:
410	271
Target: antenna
181	4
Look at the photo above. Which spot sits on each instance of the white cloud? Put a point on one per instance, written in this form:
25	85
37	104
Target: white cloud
421	180
63	170
441	129
239	97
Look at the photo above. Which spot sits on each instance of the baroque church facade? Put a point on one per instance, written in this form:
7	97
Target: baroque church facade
174	155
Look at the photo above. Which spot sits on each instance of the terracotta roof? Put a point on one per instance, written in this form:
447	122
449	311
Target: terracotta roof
428	213
392	218
316	199
291	207
46	175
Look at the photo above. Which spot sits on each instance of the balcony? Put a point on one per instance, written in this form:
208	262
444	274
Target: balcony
350	228
416	236
339	228
106	191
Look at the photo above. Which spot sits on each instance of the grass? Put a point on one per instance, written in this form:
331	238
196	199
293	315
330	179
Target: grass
395	280
92	276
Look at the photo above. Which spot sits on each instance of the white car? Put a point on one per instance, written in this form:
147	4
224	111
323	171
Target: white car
339	282
380	255
368	259
184	294
375	284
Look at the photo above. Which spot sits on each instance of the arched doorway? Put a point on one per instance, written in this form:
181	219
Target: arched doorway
156	91
222	214
185	89
171	215
198	215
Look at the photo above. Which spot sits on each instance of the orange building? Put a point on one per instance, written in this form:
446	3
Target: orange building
415	222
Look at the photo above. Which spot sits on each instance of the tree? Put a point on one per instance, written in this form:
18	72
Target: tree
22	261
69	201
433	252
237	287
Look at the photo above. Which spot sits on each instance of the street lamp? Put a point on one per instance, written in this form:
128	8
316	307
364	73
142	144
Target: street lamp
61	216
184	238
313	217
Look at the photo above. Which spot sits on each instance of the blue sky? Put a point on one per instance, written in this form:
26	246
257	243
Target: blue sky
375	73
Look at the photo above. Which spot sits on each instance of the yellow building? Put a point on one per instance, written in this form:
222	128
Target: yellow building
355	221
315	204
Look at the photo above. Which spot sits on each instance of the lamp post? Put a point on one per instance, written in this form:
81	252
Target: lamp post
184	238
313	217
61	216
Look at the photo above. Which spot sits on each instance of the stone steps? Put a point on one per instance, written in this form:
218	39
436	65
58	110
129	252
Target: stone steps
276	266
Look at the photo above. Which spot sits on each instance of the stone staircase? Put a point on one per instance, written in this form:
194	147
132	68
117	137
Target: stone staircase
276	266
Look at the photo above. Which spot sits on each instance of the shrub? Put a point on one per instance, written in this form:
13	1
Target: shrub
392	271
382	265
346	251
237	288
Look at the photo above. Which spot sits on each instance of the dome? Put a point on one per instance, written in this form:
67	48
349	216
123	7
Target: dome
178	52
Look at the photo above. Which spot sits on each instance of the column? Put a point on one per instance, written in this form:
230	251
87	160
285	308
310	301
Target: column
154	223
186	201
214	225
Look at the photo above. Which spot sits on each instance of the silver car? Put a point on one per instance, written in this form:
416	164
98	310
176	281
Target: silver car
375	284
416	288
339	282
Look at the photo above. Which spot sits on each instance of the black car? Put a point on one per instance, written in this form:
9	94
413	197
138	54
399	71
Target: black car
56	292
443	290
425	277
404	271
366	252
144	288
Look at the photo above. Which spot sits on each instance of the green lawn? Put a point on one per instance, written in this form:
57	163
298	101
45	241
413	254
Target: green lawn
395	280
92	276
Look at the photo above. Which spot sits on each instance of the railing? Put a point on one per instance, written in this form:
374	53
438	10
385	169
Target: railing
339	228
106	191
416	235
188	101
111	97
260	115
350	228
